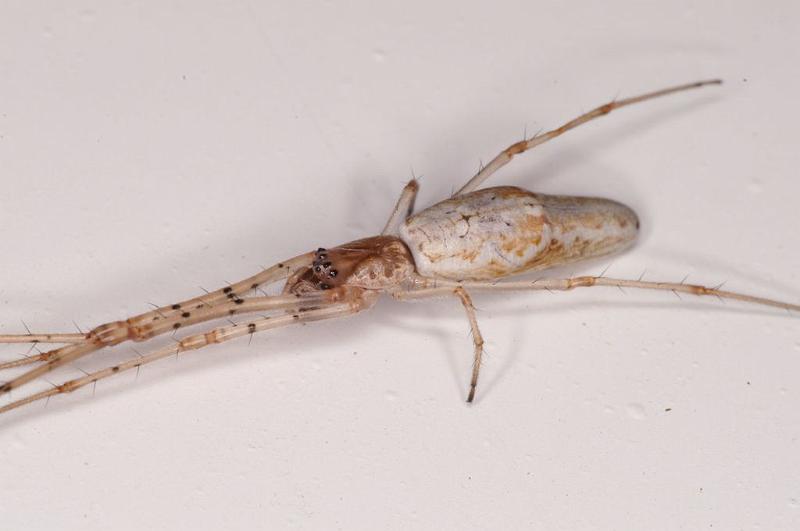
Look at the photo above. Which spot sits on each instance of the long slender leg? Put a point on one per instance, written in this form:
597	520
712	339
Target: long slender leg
217	335
438	287
34	339
159	326
61	356
403	208
111	334
520	147
27	360
42	338
141	327
477	339
174	313
466	301
429	288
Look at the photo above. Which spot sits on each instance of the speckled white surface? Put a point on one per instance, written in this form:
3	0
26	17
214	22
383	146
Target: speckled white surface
147	149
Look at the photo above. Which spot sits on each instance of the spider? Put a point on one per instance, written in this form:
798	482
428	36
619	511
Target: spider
463	244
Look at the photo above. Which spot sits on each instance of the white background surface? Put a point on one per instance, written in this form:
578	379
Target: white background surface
147	149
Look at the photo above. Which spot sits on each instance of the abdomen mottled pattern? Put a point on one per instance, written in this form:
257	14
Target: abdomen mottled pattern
501	231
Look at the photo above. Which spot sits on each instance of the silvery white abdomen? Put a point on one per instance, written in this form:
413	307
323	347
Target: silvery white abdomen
496	232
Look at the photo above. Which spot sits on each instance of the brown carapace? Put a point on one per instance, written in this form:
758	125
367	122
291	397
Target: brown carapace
375	263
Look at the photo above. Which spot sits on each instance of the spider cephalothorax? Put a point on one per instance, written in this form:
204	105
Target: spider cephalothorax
372	263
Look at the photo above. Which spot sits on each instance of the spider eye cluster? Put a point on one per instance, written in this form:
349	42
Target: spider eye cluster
323	268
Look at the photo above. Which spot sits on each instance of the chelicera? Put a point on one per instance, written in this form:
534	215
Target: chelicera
469	242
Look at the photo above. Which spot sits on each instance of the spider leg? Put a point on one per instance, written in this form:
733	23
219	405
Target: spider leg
42	338
345	301
173	313
60	356
469	308
27	360
141	327
439	287
35	339
113	333
477	339
403	208
507	154
430	288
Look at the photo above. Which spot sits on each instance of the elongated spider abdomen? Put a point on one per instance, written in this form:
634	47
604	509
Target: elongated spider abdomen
501	231
376	263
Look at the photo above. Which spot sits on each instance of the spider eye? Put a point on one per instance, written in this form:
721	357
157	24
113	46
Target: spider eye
332	273
317	269
324	286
